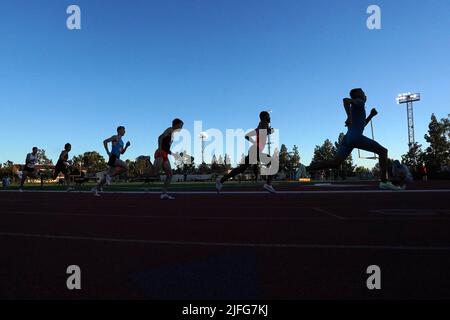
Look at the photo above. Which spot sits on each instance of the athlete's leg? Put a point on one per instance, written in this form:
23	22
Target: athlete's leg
55	173
150	169
256	172
103	180
119	168
327	164
345	149
370	145
157	166
238	170
24	177
168	171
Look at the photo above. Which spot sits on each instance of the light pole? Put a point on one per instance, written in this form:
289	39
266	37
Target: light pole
409	98
203	136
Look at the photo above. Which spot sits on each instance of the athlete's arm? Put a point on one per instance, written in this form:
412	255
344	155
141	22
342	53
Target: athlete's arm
372	114
27	159
126	147
62	157
105	144
249	136
347	106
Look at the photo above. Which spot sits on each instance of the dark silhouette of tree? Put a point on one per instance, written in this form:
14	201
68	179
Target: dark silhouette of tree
437	154
92	161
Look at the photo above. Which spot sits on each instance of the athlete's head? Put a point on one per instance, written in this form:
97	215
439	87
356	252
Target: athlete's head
35	150
121	131
358	93
67	147
177	124
264	116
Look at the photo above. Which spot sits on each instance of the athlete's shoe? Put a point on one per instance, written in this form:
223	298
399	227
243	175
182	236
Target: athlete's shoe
166	196
95	192
270	188
389	186
108	179
219	185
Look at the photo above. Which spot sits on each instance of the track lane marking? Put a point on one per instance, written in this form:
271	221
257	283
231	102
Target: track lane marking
226	244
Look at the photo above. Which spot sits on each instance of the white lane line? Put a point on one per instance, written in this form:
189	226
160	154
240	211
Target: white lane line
324	211
240	192
412	212
226	244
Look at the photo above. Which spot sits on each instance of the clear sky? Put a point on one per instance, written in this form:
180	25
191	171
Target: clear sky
142	63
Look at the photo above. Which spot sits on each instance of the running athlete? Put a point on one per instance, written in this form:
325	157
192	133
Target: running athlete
116	166
30	167
162	156
401	176
62	166
356	122
254	155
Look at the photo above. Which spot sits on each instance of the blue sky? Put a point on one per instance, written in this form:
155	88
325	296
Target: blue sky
143	63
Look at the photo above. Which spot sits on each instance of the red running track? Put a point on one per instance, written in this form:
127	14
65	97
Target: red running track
233	246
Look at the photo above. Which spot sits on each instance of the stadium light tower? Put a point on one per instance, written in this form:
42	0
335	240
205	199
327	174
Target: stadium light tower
409	98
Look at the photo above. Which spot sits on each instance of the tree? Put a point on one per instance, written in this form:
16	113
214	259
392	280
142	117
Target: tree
438	153
204	169
215	166
413	157
325	152
92	161
227	162
6	170
283	158
42	158
133	168
242	159
294	158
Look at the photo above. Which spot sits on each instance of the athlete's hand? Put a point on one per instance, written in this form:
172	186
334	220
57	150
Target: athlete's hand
347	102
373	112
128	144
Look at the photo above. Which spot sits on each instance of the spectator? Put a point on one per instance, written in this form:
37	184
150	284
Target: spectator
423	172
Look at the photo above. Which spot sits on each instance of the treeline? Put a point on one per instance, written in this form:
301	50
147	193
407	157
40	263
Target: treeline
435	156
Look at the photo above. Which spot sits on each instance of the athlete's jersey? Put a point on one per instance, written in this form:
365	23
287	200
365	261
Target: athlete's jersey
31	160
166	143
63	158
358	111
117	148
